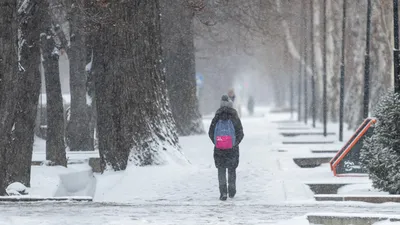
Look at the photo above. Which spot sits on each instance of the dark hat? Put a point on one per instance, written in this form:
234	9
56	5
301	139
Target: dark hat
226	102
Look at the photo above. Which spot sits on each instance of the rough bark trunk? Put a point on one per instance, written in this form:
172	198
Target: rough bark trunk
333	57
8	81
55	146
179	60
318	64
20	153
381	51
134	119
355	43
78	129
105	98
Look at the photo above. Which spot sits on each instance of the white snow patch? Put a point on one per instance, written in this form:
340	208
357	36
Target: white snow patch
55	51
45	180
365	189
295	221
387	222
88	100
88	67
24	5
16	188
79	183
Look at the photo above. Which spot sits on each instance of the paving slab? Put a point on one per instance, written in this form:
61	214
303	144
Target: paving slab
295	134
358	198
306	142
324	151
311	162
326	188
294	128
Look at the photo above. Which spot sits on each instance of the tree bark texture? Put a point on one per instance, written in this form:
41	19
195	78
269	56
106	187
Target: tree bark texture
133	116
55	146
333	57
78	129
8	82
179	60
381	50
20	152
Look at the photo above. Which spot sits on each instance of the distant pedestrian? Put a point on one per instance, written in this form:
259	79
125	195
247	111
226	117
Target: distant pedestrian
226	132
250	105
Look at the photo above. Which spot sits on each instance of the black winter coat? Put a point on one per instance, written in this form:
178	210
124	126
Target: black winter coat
227	158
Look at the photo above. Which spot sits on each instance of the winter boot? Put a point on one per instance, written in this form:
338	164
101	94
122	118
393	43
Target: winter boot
232	191
223	197
223	190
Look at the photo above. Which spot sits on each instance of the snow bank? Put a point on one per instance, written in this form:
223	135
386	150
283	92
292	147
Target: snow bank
139	184
78	183
50	181
17	188
45	180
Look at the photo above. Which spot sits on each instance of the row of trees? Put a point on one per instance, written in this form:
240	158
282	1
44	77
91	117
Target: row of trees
312	44
288	40
134	58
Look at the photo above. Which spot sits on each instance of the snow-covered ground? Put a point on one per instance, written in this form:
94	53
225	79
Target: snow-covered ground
270	186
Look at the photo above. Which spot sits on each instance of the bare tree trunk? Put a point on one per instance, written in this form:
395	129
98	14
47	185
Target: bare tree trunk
381	50
78	129
8	81
55	146
105	102
134	119
179	60
355	43
333	57
20	153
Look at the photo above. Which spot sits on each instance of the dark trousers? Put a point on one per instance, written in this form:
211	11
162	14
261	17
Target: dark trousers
231	180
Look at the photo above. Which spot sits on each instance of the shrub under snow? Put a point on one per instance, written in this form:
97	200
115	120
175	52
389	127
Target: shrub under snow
381	152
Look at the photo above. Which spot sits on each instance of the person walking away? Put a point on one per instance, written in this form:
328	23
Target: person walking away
226	132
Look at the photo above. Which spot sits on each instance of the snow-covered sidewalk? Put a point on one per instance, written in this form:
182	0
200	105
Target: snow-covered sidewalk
263	174
270	187
220	213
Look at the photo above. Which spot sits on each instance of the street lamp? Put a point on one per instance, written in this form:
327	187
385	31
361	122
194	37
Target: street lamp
396	63
313	103
305	68
301	67
366	64
342	72
324	78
